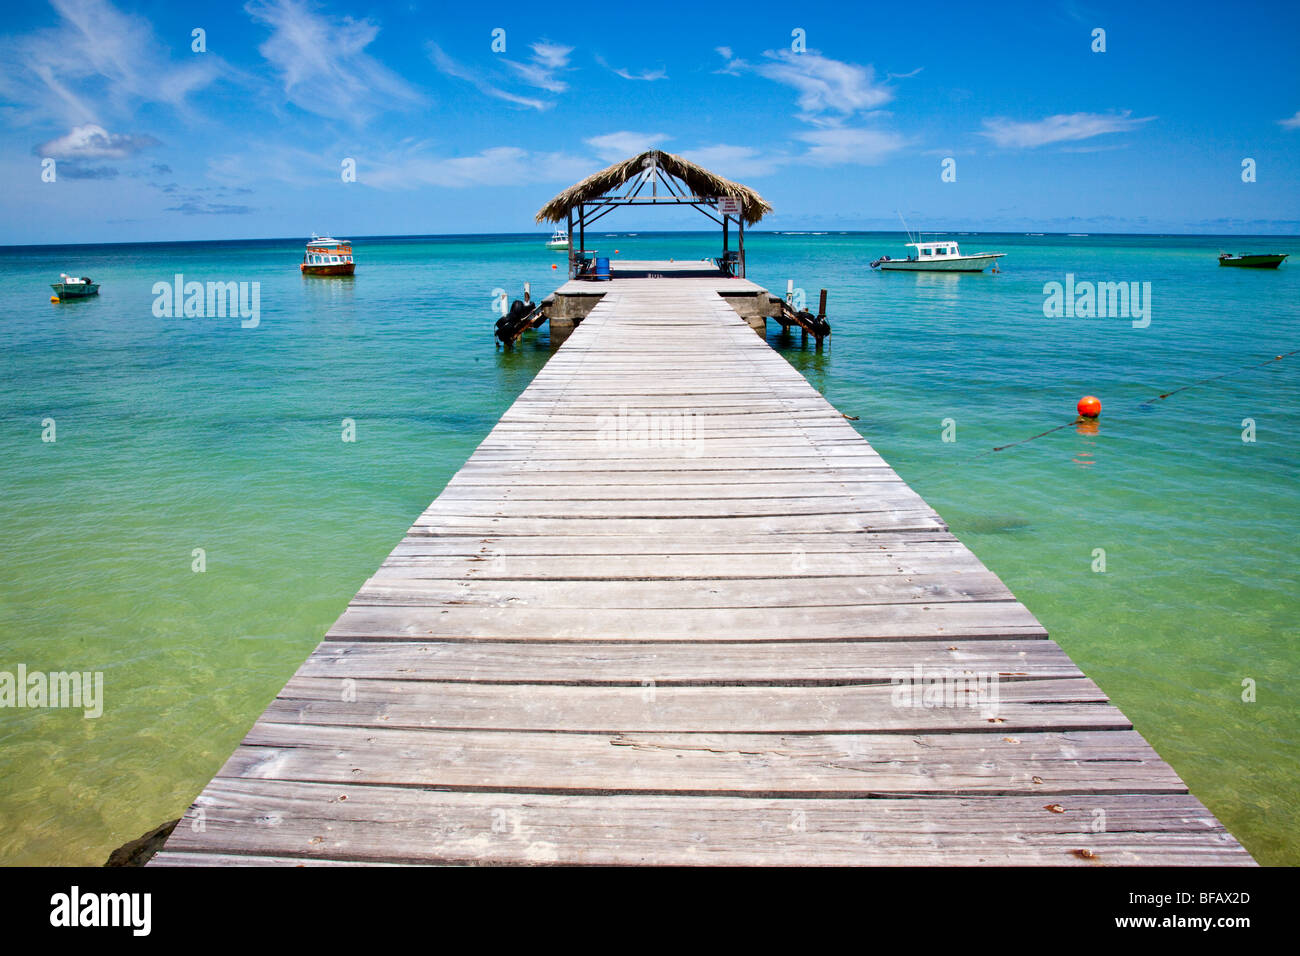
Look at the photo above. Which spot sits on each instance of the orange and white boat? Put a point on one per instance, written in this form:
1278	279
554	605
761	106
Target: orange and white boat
328	257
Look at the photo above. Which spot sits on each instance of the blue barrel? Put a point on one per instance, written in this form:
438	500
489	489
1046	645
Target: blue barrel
602	269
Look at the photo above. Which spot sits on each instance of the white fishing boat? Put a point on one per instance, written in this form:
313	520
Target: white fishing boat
940	255
559	240
74	287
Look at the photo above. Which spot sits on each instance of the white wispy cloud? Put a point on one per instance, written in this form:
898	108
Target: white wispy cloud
826	146
1292	122
825	85
96	62
1076	13
854	146
1064	127
834	98
1095	148
291	165
94	142
903	76
647	75
736	162
542	71
450	67
612	147
543	68
323	64
732	65
414	165
411	164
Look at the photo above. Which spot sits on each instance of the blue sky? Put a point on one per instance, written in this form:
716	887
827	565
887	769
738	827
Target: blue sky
154	141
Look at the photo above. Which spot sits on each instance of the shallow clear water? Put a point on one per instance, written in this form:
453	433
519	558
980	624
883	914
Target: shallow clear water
177	434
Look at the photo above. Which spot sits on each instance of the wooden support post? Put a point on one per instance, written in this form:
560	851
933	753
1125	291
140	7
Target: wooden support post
821	315
741	220
570	235
726	228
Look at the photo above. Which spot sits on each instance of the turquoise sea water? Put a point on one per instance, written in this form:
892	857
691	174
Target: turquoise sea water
177	434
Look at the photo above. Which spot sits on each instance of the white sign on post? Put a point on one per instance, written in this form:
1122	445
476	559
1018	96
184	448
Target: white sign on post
728	206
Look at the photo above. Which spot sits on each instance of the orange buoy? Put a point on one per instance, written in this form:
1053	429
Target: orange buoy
552	265
615	252
1090	406
54	298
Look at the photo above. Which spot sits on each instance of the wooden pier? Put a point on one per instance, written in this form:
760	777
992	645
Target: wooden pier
664	615
571	303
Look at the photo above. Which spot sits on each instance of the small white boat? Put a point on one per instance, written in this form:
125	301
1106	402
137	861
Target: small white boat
560	239
941	255
74	287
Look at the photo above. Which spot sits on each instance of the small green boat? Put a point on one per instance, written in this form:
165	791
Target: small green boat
74	288
1269	260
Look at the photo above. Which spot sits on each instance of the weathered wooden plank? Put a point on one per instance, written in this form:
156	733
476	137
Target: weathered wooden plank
171	859
482	473
965	619
914	519
672	438
784	664
677	459
324	823
779	426
960	701
626	390
789	549
678	491
675	508
500	564
714	417
862	765
395	587
597	431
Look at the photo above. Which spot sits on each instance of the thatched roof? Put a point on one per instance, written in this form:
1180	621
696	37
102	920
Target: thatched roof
699	180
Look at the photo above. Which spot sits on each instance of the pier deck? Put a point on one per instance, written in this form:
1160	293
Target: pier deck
594	647
696	273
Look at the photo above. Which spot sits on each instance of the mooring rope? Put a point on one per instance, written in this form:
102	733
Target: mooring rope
1148	403
1206	381
1077	419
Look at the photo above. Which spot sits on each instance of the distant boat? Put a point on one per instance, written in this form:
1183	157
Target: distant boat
1259	260
74	288
559	239
938	256
328	257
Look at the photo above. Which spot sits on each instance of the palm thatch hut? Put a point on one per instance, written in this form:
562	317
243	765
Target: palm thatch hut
683	183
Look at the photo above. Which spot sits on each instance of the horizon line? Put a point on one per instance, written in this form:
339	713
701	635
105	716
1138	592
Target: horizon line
656	232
